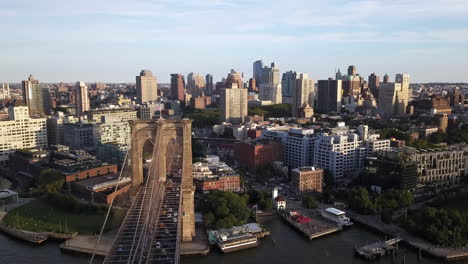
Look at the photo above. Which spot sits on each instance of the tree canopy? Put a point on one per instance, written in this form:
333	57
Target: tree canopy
225	209
49	180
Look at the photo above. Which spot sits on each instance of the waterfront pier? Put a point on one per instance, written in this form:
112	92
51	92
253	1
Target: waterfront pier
377	249
313	226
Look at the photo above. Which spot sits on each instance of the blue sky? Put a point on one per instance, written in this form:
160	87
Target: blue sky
112	40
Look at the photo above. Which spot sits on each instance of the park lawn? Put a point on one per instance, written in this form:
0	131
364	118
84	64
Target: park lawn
40	216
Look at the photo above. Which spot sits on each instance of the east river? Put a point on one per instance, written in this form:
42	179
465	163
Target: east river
284	245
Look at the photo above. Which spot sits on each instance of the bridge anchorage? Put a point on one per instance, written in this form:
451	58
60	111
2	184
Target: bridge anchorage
162	212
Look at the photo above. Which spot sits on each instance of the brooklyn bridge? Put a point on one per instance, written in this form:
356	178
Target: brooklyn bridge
161	214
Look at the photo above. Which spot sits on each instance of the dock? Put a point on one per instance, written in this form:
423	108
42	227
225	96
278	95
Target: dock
377	249
317	227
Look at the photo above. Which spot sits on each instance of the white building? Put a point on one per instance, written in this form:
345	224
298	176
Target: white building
121	114
112	130
201	170
298	145
21	132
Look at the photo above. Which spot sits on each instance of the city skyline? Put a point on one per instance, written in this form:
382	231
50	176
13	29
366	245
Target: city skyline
111	42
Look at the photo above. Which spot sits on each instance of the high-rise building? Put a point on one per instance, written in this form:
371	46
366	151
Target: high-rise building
351	85
270	88
178	87
374	83
233	100
386	78
209	84
234	78
288	82
81	98
393	98
271	74
5	91
195	84
303	93
36	96
21	132
253	85
352	71
329	96
404	80
257	71
146	87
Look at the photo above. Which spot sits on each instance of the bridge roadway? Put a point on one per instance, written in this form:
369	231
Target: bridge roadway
151	230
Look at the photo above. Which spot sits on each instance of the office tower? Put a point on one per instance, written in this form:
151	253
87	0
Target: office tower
233	100
257	71
393	99
146	87
352	71
5	91
287	85
253	85
36	96
374	83
81	98
21	132
404	80
351	85
177	87
329	96
386	78
270	88
271	74
303	93
209	84
195	84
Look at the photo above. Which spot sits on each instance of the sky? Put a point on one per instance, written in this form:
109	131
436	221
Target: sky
113	40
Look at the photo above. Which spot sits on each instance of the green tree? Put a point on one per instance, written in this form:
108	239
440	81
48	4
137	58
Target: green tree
49	180
266	205
309	201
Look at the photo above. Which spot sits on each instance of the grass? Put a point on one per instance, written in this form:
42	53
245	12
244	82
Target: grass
40	216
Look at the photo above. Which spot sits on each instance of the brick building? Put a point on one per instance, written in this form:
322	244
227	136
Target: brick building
306	179
258	153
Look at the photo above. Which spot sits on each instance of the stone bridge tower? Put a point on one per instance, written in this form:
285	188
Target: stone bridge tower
179	131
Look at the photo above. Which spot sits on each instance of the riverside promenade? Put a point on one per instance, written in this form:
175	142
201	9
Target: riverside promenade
440	252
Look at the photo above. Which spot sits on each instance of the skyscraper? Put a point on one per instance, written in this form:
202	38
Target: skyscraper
329	96
270	88
209	84
386	78
195	84
393	98
253	85
233	103
374	83
178	87
303	93
352	71
404	80
257	71
81	98
146	87
287	85
36	96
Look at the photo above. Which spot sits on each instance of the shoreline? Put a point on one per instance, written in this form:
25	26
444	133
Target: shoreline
426	247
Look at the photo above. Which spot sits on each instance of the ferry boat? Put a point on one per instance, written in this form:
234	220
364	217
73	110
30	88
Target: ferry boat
237	242
337	216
